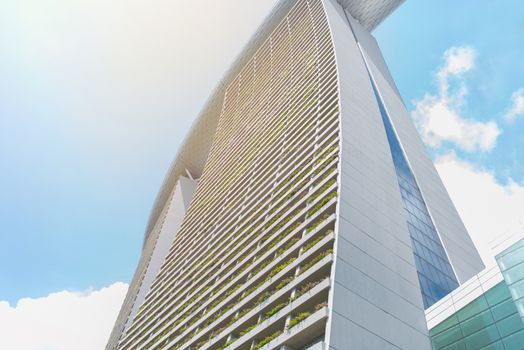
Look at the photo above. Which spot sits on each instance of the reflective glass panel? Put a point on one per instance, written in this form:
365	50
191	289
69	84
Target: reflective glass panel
435	274
489	322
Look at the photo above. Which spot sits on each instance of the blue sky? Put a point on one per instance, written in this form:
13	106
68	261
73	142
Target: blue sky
414	39
95	98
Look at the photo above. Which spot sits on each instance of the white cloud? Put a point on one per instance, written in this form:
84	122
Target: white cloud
517	105
439	118
61	321
487	207
457	61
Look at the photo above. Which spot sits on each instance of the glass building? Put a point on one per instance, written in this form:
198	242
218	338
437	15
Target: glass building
511	263
485	312
302	210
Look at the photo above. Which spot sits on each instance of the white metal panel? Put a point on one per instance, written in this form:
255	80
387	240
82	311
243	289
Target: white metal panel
376	302
370	13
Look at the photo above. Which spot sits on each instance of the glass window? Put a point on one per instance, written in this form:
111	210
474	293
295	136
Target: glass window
448	337
434	265
511	259
482	338
515	246
495	346
517	290
514	274
477	322
444	325
472	309
460	345
514	341
520	306
503	310
490	322
497	294
510	325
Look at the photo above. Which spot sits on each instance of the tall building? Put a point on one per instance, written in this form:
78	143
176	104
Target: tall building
302	210
486	312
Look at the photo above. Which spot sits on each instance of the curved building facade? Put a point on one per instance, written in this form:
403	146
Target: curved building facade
302	210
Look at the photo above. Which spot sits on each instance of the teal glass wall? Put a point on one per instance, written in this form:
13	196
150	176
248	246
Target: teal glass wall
490	322
511	263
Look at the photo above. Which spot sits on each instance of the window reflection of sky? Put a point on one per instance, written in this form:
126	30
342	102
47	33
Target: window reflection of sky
435	274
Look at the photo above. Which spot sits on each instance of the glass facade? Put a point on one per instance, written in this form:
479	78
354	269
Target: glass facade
435	274
511	263
489	322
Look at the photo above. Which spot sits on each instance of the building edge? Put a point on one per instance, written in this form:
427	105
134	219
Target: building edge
369	298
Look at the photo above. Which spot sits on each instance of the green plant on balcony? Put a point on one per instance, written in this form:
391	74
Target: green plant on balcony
325	154
253	288
261	267
279	225
323	189
278	196
315	241
201	343
183	340
284	283
327	174
291	194
296	175
327	162
298	318
248	329
274	310
140	309
307	287
229	342
319	221
272	220
232	290
270	245
288	245
212	318
315	260
292	228
266	340
320	204
217	331
280	267
261	298
321	306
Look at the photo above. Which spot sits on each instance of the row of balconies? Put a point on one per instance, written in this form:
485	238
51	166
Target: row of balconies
309	243
297	138
177	273
279	303
317	171
327	31
260	275
333	93
280	54
314	208
327	163
311	212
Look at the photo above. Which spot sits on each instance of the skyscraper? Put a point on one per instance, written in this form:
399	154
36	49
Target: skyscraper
302	210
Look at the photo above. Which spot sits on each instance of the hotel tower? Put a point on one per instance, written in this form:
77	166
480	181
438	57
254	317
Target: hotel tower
302	210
